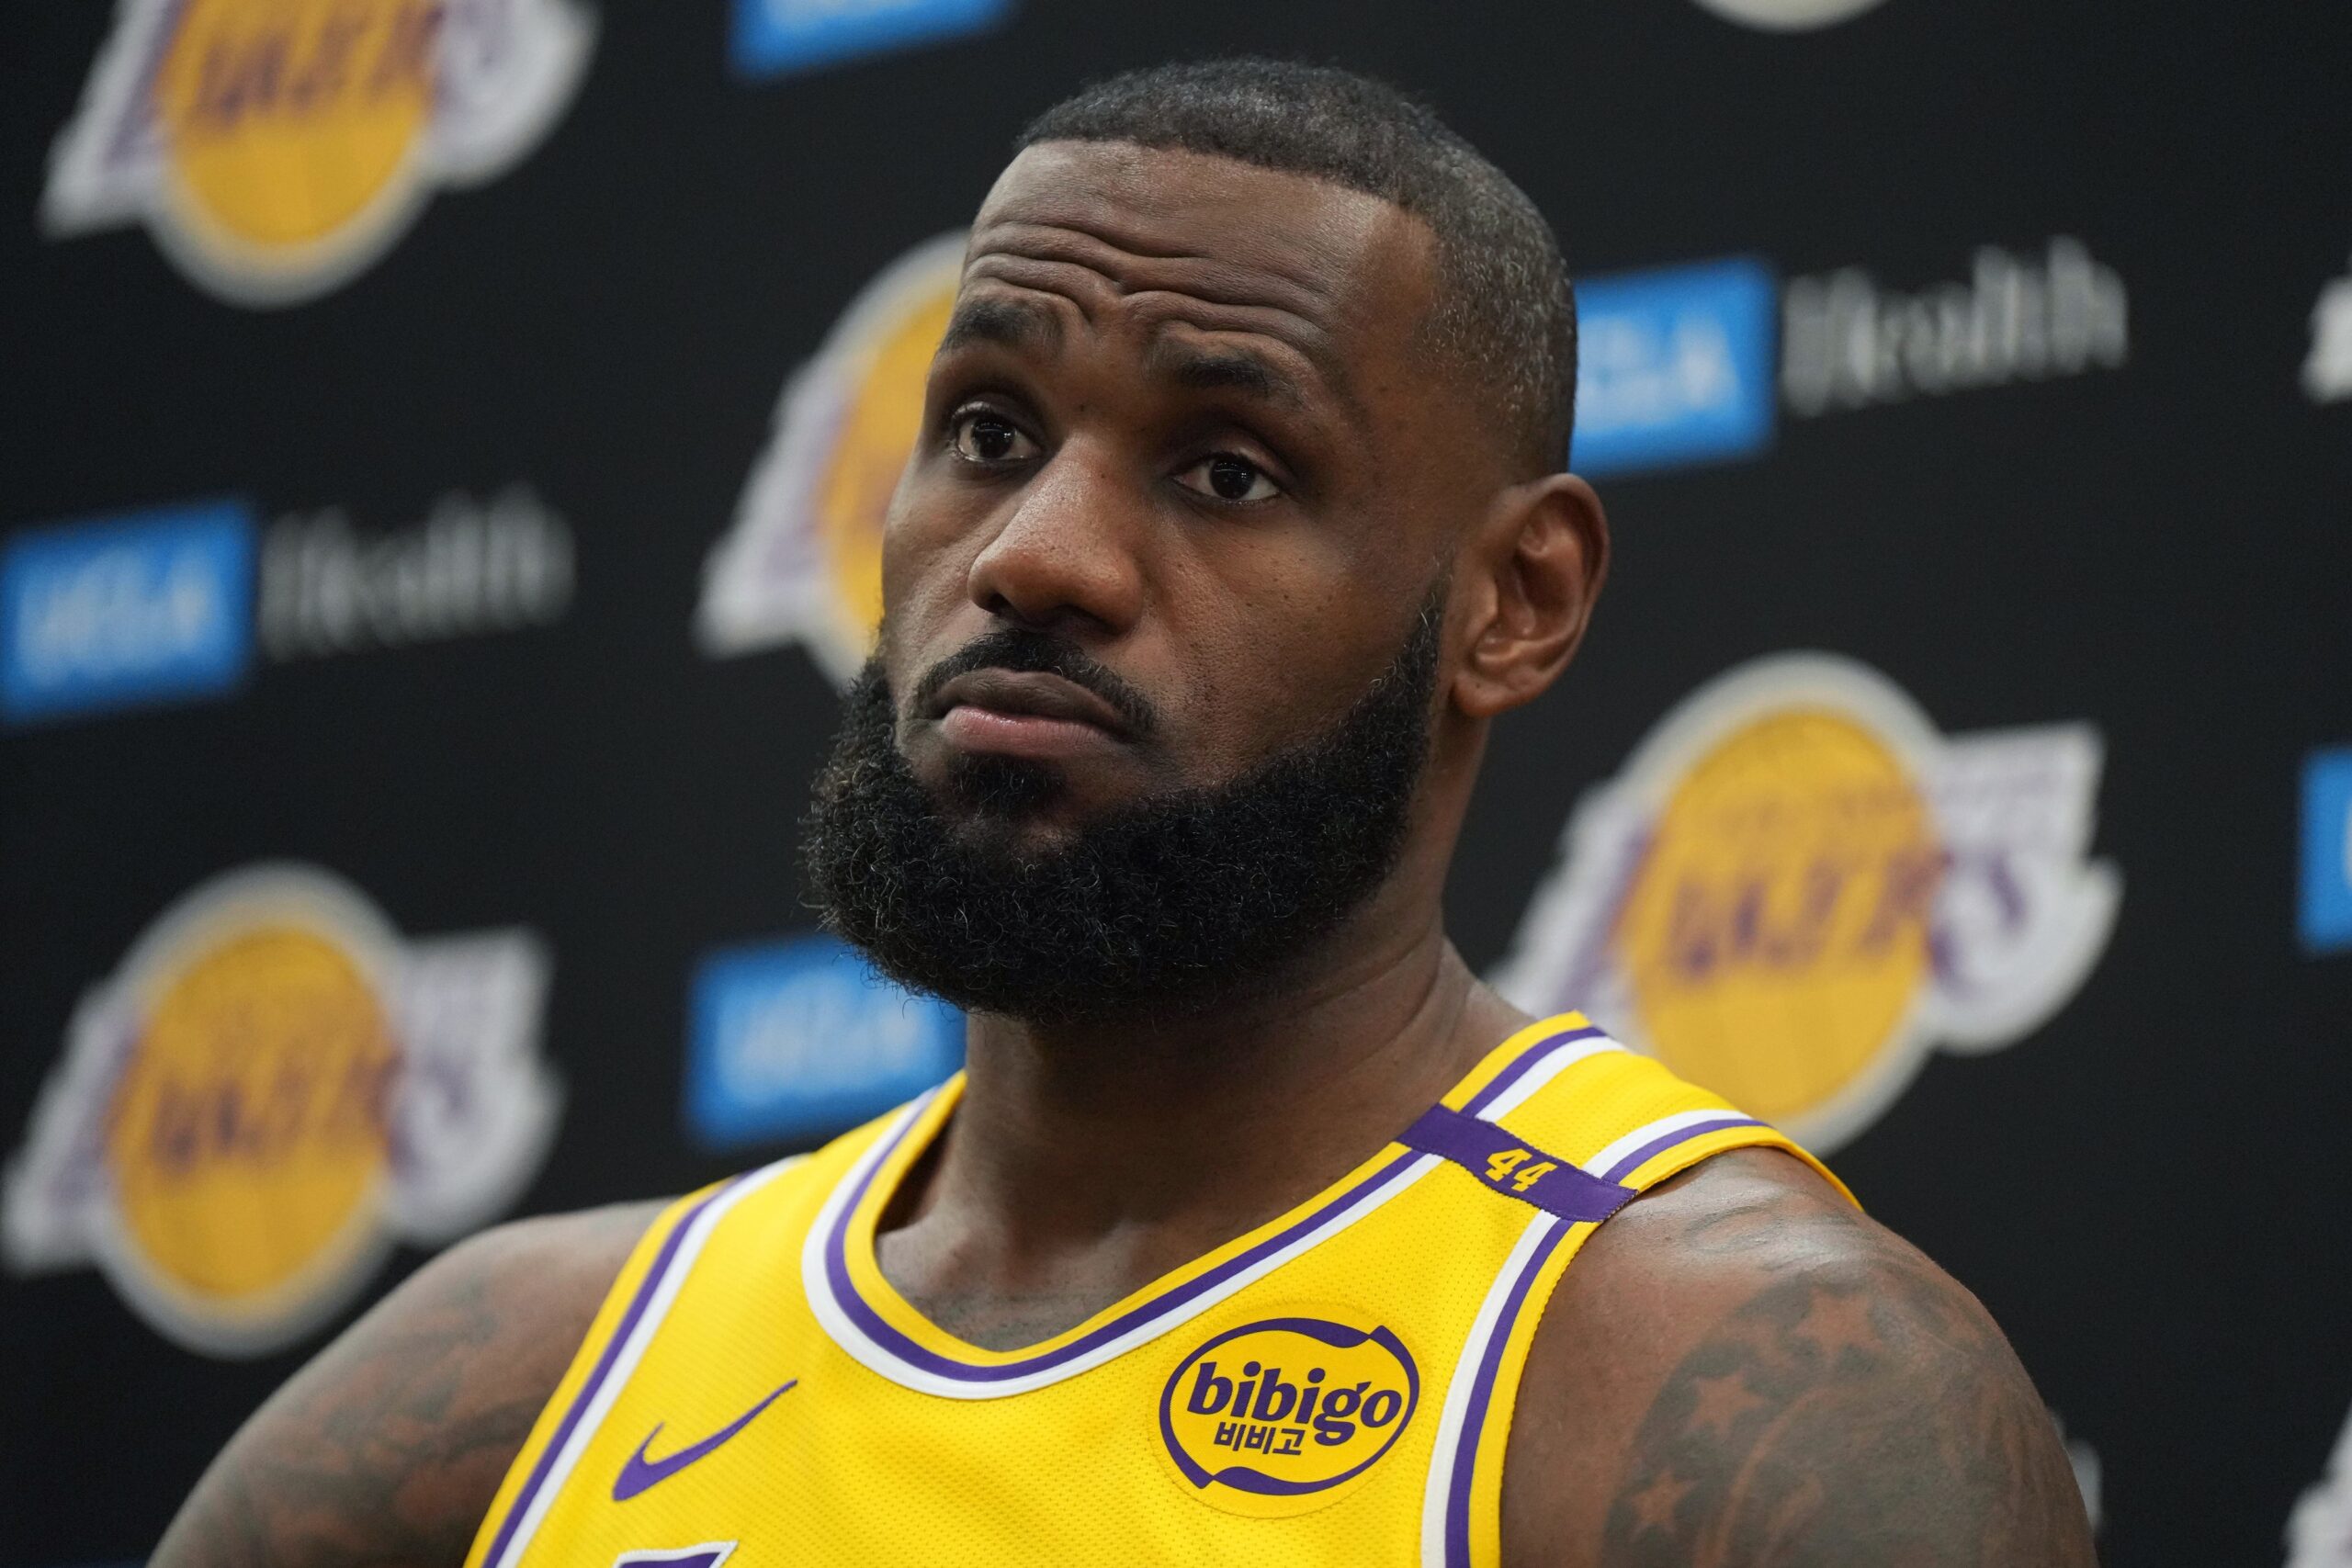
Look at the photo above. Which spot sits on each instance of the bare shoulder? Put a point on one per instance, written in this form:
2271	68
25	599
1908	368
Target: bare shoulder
1742	1372
387	1449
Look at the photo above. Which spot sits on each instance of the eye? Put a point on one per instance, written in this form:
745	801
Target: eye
1228	478
983	437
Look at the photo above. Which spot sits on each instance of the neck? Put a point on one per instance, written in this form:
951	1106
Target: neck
1083	1163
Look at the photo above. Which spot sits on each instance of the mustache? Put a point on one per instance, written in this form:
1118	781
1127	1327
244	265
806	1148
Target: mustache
1024	651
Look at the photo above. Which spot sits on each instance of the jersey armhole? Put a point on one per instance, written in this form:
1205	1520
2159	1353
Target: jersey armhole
1673	1162
1484	1502
499	1524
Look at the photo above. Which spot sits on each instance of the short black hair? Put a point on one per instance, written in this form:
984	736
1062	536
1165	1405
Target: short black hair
1504	312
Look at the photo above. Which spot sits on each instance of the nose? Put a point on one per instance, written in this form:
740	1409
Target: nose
1067	553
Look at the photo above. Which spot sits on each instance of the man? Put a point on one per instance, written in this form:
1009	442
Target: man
1257	1230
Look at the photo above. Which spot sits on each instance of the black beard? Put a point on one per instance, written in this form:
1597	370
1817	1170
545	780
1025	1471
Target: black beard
1166	907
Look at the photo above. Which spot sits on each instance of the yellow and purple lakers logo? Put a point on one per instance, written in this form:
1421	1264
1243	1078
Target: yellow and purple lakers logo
1797	888
803	561
1274	1417
273	1088
276	148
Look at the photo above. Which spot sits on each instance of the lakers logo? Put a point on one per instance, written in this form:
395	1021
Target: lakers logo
803	561
1797	888
277	147
275	1087
1273	1417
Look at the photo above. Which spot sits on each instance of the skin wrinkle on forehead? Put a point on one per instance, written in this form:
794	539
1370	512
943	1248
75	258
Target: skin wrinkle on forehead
1001	305
1022	324
1020	315
1255	275
1126	196
1324	270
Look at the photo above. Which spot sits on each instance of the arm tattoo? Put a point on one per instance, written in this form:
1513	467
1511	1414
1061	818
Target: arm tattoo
1859	1409
386	1452
368	1469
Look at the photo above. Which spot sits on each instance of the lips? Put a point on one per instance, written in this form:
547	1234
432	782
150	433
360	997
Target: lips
1027	715
1031	694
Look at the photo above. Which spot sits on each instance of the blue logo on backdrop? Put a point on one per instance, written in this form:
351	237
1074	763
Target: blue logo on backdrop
776	36
800	1039
2327	918
1674	366
136	608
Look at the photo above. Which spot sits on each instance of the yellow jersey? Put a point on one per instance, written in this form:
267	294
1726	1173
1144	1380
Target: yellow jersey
1334	1387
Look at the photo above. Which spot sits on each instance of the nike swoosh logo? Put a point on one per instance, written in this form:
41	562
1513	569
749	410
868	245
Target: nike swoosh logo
640	1472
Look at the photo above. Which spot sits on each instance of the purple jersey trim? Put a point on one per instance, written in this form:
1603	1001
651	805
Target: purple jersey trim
1482	1391
580	1401
1554	1185
1482	1388
1659	1144
1526	1062
846	1291
709	1556
873	1324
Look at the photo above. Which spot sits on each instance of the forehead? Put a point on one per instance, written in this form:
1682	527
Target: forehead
1339	274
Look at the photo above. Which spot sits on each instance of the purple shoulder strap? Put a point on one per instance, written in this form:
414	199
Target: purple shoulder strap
1512	1167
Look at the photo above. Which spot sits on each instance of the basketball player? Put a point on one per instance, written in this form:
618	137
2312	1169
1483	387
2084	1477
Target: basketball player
1257	1230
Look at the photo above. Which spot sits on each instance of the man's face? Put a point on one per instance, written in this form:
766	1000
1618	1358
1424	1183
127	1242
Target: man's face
1182	430
1165	588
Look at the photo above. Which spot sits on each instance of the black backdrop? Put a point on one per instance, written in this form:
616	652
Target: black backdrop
2148	1188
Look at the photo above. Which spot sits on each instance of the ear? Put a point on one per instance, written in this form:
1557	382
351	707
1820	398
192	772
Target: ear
1535	569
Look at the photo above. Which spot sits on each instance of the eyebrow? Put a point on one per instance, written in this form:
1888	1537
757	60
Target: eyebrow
1225	369
1009	323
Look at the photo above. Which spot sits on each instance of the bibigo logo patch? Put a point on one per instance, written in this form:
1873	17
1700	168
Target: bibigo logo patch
273	1087
1797	888
803	561
1273	1417
276	148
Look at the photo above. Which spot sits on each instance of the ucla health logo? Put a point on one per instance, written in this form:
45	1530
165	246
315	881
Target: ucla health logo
276	148
800	1039
1272	1417
160	604
273	1088
1674	366
2020	316
112	612
776	36
1797	888
803	561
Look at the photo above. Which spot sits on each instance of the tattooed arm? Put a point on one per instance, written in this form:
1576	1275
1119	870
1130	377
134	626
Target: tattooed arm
1741	1372
387	1449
